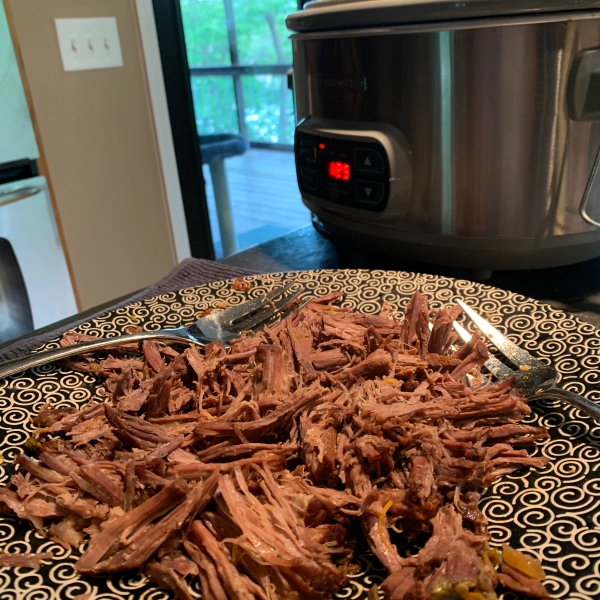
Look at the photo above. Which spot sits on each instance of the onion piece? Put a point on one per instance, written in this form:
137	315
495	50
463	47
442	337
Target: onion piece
528	565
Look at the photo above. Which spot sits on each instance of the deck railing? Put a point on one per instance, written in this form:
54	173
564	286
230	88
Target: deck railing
237	70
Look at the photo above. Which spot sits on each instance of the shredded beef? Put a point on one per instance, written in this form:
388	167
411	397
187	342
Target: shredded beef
248	471
30	561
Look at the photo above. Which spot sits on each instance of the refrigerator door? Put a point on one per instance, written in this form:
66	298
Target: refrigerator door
17	140
27	224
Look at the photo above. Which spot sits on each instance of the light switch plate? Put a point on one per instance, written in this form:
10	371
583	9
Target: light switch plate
89	43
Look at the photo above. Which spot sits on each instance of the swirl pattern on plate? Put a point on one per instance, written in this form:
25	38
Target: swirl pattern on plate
553	513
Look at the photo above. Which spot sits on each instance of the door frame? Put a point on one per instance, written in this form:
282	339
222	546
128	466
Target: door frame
185	147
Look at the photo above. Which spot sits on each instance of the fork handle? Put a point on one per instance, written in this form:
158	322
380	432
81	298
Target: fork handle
586	405
41	358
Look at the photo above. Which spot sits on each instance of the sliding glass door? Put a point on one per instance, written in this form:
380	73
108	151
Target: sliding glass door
239	56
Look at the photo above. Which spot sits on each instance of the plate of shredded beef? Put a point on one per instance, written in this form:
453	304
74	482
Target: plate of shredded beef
354	449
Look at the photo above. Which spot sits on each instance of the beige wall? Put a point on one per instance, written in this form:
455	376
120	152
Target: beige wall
98	142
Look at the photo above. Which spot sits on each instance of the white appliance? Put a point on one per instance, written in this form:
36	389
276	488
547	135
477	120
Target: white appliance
35	287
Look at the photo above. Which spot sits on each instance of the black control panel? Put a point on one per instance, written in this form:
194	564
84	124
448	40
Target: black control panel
347	172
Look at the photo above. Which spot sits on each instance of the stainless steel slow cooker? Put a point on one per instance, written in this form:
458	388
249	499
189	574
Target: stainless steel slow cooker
463	133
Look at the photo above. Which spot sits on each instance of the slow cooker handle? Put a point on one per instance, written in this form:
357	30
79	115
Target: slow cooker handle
583	104
591	184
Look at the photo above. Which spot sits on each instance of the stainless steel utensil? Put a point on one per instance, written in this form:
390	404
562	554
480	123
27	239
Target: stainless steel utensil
223	326
535	378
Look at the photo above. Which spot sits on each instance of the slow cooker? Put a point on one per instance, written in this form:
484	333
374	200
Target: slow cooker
459	133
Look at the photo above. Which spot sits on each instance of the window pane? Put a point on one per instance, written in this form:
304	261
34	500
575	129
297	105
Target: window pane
205	33
257	42
214	104
269	108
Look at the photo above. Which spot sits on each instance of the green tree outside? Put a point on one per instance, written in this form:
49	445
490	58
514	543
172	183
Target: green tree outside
262	39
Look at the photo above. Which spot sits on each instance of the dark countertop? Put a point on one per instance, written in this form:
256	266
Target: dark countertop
573	288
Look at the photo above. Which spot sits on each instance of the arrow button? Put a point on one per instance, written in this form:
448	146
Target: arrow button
368	161
369	192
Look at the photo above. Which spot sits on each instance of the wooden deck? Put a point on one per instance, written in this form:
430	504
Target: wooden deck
264	197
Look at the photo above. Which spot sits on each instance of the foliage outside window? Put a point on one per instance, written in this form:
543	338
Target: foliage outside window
262	39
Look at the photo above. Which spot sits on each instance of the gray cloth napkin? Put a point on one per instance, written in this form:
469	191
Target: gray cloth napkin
188	273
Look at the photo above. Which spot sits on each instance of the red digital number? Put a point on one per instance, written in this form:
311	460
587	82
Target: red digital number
339	171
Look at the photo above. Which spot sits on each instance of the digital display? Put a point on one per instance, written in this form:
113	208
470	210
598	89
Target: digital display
353	173
339	171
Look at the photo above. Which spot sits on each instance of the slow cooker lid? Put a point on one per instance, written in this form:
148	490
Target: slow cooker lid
322	15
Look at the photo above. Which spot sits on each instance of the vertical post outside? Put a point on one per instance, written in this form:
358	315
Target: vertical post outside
223	204
235	60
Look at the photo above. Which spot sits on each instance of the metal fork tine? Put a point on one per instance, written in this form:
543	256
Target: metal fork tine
492	364
516	355
289	308
263	315
234	313
283	314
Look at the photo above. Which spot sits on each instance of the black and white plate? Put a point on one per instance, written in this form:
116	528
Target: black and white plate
553	514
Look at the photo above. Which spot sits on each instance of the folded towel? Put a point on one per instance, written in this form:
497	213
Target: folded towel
188	273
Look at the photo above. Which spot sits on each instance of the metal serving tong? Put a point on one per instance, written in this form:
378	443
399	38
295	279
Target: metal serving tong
535	378
222	326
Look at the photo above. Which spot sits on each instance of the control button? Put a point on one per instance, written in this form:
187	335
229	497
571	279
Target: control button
309	178
334	190
368	161
308	151
369	192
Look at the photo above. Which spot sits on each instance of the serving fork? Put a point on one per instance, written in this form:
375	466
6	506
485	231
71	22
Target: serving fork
535	378
222	326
